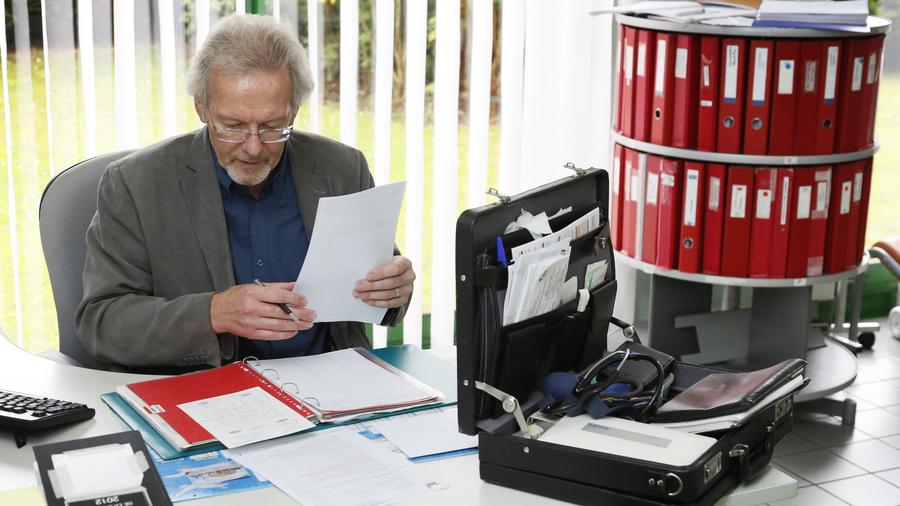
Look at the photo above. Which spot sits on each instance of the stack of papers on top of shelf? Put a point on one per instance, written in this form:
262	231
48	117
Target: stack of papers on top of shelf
849	15
708	12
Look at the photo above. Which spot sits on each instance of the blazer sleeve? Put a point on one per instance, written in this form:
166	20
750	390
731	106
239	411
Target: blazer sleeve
119	319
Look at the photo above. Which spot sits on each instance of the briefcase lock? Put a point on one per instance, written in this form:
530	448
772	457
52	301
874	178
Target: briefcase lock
783	407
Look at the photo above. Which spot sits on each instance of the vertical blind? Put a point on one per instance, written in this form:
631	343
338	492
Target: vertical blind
103	75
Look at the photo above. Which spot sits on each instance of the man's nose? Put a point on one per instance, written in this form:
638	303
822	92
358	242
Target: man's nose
252	145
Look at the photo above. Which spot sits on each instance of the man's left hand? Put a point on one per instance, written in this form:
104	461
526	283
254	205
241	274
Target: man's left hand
387	286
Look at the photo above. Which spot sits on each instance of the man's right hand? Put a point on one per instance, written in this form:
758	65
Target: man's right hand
251	311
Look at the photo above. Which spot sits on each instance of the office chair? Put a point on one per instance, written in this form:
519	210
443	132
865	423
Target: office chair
888	251
67	207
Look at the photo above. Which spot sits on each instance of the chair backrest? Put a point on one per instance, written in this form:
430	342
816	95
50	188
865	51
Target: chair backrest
67	207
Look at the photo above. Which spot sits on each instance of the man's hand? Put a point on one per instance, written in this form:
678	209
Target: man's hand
387	286
251	311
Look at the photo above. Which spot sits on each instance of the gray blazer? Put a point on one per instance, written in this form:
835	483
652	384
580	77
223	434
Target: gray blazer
157	251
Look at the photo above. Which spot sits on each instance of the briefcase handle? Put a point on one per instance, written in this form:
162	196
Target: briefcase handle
753	465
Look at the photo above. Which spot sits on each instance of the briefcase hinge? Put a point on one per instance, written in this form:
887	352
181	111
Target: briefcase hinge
783	407
502	199
511	405
578	171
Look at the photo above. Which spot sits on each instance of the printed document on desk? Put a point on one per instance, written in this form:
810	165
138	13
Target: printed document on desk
354	234
336	466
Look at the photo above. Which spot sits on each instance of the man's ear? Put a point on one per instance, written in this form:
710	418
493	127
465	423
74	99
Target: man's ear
199	110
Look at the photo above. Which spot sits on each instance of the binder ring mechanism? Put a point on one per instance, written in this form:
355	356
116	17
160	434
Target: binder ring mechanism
511	405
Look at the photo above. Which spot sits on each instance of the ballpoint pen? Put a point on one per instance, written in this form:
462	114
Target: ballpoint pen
283	306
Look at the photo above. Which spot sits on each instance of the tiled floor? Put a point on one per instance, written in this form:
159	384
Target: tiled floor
840	465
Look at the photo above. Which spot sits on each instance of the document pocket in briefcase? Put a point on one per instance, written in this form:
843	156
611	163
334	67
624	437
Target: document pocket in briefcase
501	359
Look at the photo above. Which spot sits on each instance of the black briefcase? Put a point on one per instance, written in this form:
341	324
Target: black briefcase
499	365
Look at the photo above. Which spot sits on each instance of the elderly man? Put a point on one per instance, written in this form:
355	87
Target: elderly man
185	226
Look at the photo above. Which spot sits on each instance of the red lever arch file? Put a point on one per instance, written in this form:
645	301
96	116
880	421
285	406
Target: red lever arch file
693	210
762	223
628	84
617	103
843	217
160	398
738	213
787	83
731	95
804	111
629	202
643	90
849	117
829	93
670	177
759	97
651	209
781	224
661	116
863	211
870	93
687	92
714	218
708	114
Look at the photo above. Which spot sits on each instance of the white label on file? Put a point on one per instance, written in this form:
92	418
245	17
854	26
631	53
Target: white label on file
706	103
627	175
619	54
731	72
831	73
786	77
660	80
809	84
785	187
667	179
635	188
652	188
804	199
870	75
629	62
763	204
617	167
714	188
759	75
690	197
642	59
738	201
706	76
845	196
681	56
858	64
821	195
857	186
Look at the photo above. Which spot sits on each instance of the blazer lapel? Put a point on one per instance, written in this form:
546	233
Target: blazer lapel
204	201
310	186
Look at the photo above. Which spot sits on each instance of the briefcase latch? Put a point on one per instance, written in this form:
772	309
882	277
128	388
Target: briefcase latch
578	171
501	198
511	405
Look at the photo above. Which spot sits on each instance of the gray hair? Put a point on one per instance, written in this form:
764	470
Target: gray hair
244	43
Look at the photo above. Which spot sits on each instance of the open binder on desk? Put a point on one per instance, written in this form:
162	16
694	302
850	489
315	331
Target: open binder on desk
368	386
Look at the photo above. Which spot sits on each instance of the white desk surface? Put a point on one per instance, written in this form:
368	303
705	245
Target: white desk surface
23	372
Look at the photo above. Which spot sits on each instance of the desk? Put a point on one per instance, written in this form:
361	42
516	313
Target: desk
27	373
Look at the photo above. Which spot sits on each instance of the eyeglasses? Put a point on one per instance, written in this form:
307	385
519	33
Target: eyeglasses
268	136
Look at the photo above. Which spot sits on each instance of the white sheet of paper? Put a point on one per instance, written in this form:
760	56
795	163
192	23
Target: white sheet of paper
427	434
336	467
353	235
245	417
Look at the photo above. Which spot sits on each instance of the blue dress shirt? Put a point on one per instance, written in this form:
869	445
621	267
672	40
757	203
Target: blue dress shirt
268	242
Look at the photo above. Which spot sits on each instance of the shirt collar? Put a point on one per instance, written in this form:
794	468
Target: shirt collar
227	185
